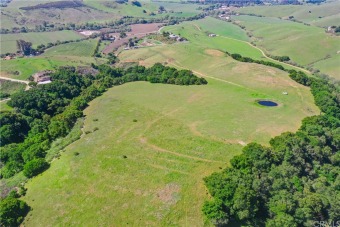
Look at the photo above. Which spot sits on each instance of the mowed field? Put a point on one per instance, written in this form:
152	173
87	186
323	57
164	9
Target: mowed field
76	53
149	146
8	41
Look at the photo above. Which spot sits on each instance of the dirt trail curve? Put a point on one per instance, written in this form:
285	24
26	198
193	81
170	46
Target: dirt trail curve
262	52
18	81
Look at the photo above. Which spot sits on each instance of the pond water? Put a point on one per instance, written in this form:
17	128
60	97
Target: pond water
267	103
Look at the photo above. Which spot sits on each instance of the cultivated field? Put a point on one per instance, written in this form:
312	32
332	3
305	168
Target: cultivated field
8	41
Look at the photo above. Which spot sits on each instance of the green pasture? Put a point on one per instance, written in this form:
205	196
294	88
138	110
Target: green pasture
303	44
154	143
146	148
323	15
10	87
8	41
74	54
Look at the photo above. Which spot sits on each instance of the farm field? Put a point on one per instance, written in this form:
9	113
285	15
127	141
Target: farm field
307	44
137	30
9	45
76	53
149	171
323	15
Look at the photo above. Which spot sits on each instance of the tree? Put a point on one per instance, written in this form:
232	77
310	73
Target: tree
34	167
12	211
24	47
14	128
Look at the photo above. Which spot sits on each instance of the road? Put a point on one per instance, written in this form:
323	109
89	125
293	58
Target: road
18	81
262	52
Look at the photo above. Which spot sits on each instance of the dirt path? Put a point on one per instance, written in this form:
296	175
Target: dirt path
144	140
4	100
18	81
214	78
262	52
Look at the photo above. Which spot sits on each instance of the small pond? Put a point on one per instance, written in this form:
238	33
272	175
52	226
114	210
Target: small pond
267	103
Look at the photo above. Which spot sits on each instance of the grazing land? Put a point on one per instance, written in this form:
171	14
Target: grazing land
10	87
8	41
152	169
154	143
324	15
305	45
138	152
76	53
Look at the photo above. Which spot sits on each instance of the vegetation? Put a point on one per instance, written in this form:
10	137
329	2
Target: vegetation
12	211
58	4
294	182
50	111
8	87
34	167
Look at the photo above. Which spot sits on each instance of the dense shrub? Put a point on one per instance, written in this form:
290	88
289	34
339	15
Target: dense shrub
34	167
12	211
13	128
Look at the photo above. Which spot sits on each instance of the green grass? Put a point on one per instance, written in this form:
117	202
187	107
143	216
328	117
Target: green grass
155	143
10	87
223	28
4	106
8	41
74	54
82	49
180	136
179	10
329	66
323	15
27	66
303	44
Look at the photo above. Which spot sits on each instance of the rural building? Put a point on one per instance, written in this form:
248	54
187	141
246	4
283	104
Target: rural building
173	36
42	77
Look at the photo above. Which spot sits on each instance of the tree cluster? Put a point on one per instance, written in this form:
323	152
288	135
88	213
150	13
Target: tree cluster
47	112
294	182
240	58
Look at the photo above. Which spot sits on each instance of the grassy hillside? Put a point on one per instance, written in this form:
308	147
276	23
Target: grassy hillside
10	87
77	53
305	45
147	147
153	146
8	41
323	15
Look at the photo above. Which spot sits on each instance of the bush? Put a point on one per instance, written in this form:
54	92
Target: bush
34	167
12	211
